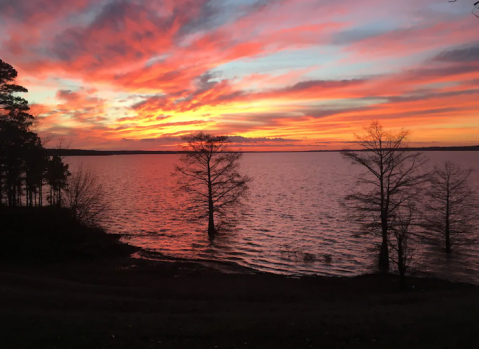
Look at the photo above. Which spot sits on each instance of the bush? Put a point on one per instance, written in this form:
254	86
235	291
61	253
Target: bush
85	197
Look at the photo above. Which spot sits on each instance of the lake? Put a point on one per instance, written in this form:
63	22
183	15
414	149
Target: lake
294	223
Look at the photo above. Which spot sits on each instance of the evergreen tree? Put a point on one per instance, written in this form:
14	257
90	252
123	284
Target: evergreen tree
24	166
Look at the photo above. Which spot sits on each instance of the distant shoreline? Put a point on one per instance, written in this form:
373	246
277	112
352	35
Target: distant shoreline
84	152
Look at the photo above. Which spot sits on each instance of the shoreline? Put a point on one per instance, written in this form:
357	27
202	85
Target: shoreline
231	267
215	269
179	267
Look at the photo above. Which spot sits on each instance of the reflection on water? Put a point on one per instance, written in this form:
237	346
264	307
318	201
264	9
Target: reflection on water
294	222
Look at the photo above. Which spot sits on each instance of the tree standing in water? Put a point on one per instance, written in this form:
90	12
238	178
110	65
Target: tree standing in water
400	239
451	205
209	174
393	179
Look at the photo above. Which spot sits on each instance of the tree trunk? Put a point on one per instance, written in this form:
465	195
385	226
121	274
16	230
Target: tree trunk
448	228
402	279
383	261
1	187
10	196
448	241
401	264
211	218
211	222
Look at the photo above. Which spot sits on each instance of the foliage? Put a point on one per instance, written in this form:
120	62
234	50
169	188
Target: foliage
12	107
210	175
57	176
25	167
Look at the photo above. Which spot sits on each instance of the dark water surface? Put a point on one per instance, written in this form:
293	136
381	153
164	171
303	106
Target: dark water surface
294	222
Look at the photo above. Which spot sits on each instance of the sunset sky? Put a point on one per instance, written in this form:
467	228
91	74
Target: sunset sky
273	74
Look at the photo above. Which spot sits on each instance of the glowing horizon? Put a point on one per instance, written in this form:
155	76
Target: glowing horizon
273	74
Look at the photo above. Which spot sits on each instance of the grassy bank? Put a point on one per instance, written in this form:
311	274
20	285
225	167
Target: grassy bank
139	304
65	285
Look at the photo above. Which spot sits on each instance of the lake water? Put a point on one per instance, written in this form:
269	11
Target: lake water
294	223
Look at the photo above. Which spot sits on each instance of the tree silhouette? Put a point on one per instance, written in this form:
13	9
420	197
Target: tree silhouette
451	205
24	165
401	233
12	107
392	180
57	176
14	124
476	7
36	166
209	174
85	197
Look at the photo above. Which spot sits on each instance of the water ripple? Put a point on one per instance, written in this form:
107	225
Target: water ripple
293	219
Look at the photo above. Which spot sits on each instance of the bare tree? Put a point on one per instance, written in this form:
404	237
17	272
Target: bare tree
85	197
209	173
400	239
392	179
476	7
451	205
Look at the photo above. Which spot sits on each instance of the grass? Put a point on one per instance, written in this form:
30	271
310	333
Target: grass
181	305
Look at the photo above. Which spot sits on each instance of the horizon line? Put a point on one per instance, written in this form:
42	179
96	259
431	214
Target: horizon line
159	152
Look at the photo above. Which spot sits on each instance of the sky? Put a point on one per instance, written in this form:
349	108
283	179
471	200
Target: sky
271	74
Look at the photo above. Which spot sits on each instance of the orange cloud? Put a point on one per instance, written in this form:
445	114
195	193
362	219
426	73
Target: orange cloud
111	73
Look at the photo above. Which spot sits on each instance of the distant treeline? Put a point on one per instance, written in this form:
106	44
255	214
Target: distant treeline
82	152
463	148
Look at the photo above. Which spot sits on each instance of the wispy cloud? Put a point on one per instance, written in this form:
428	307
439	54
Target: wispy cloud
271	73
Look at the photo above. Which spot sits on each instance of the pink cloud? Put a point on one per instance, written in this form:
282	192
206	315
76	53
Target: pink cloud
172	53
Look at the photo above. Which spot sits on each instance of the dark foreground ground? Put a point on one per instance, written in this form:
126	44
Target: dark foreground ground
180	305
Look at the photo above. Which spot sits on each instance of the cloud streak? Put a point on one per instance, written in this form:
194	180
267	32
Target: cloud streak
272	74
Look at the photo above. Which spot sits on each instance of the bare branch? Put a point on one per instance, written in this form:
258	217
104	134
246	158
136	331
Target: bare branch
209	175
85	196
451	209
392	178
